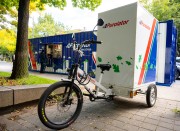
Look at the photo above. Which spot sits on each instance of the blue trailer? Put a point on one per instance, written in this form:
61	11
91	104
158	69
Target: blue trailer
58	50
166	57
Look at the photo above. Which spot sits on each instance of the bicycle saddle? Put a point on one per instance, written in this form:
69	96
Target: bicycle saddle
104	67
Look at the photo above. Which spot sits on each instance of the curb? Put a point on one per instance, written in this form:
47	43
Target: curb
13	95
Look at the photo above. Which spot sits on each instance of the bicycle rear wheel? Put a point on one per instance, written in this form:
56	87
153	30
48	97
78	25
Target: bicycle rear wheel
55	110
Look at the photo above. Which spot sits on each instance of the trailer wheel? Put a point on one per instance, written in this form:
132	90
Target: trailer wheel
151	95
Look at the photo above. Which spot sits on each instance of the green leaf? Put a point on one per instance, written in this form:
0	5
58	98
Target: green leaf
116	68
99	59
128	63
119	58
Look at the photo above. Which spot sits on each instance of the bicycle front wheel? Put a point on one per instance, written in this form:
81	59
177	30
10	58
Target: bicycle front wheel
55	109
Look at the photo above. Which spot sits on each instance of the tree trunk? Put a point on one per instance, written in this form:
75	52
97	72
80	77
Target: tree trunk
20	66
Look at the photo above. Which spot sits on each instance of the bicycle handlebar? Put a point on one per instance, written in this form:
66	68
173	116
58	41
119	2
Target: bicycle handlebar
85	42
92	42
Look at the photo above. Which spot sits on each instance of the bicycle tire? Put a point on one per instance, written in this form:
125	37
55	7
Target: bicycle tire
43	108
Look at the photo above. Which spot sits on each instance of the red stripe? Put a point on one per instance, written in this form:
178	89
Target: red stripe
94	59
147	53
32	58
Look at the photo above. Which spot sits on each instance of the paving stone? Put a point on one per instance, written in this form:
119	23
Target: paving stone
12	125
135	122
177	117
177	127
130	127
142	129
21	121
90	128
100	125
118	124
177	122
163	129
140	118
154	117
35	121
156	113
26	115
167	120
30	126
169	115
87	121
145	111
151	121
123	119
148	126
67	129
165	125
128	115
77	126
112	128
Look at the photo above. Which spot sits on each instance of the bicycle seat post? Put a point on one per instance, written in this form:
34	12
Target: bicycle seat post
100	79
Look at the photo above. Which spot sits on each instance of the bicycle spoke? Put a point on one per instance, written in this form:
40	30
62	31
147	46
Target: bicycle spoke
58	107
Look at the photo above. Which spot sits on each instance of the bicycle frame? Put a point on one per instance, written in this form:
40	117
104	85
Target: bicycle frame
98	85
79	72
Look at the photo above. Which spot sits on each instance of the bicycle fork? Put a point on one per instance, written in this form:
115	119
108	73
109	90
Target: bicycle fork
71	86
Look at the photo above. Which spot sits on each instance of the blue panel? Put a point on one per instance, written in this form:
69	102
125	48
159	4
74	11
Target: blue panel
168	60
170	56
150	75
163	84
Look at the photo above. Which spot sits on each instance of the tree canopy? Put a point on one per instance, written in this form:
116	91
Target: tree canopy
9	8
7	42
46	26
165	10
20	66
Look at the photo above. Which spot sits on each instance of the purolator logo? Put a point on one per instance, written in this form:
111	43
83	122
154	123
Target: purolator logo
119	23
144	25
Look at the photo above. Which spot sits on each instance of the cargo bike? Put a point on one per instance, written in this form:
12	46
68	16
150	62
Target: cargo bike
61	103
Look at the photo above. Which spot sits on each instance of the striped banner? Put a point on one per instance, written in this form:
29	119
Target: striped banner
32	58
147	53
94	57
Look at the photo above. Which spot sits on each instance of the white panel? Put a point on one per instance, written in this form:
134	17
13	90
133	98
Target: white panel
161	52
143	30
118	48
123	41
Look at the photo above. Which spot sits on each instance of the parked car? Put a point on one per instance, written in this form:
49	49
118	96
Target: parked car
177	67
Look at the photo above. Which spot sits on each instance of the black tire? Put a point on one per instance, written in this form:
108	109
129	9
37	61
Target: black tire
53	101
151	95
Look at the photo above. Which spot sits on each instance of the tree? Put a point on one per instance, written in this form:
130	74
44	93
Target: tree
46	26
165	10
20	66
7	42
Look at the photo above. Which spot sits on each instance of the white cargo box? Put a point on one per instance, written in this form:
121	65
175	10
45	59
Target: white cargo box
129	36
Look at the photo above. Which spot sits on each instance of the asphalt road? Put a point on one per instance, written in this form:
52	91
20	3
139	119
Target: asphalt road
5	66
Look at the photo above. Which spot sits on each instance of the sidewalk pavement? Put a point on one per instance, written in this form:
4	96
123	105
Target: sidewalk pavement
118	115
121	114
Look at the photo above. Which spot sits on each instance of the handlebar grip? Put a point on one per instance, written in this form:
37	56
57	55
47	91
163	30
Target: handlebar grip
97	42
92	42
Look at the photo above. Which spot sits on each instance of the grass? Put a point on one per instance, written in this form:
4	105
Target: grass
31	80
